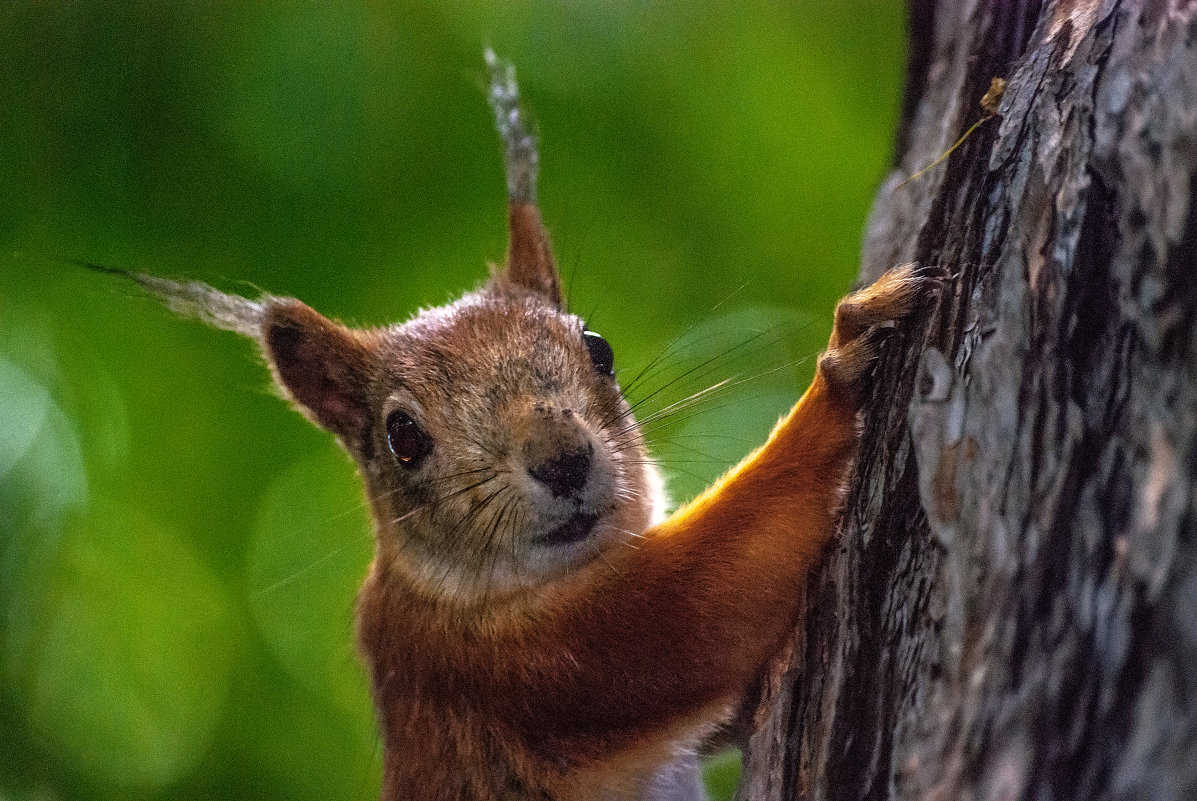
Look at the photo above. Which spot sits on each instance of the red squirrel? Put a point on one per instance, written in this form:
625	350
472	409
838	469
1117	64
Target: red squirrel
533	625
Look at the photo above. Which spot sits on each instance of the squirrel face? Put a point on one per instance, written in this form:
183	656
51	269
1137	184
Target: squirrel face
497	451
500	450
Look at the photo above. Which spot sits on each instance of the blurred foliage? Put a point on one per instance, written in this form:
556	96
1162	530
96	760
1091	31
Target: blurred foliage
178	551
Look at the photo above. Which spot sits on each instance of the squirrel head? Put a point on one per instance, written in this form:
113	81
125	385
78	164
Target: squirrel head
496	448
495	445
494	442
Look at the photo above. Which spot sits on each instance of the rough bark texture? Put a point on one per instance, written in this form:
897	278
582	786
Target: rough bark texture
1012	609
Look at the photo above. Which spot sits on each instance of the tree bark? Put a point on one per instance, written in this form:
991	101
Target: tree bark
1011	611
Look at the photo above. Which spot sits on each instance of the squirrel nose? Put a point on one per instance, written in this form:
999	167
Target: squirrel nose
566	473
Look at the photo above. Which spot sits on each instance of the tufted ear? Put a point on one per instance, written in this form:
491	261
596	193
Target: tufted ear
323	366
530	262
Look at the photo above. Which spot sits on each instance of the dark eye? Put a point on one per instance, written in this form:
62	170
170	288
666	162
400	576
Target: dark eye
601	354
407	441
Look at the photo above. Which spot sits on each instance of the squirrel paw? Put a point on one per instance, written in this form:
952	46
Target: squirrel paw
857	335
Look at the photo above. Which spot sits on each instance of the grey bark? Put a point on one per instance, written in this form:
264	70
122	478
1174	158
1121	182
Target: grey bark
1011	611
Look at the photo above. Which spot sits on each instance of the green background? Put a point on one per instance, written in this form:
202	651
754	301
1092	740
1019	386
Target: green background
179	551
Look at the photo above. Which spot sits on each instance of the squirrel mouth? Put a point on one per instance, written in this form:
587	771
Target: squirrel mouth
575	529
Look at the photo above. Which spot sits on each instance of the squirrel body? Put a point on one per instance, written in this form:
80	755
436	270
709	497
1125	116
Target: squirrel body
533	626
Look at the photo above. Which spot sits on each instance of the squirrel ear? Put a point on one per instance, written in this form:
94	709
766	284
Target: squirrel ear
530	262
322	365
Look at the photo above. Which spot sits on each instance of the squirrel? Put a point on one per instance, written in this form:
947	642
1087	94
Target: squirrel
533	625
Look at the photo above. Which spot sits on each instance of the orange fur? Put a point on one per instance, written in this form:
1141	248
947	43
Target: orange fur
530	654
517	649
587	684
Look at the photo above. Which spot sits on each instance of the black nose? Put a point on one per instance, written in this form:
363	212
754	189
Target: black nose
566	473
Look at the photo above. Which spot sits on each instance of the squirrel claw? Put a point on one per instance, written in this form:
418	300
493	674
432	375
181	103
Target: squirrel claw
864	319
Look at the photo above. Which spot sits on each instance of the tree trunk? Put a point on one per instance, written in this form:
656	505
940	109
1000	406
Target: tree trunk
1011	611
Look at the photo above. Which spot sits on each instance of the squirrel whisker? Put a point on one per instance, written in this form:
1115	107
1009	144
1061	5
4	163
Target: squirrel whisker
711	362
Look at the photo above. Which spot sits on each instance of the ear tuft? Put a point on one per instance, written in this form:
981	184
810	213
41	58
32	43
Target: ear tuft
323	366
196	300
530	262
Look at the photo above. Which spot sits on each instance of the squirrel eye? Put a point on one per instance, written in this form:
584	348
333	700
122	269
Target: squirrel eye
600	353
407	441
